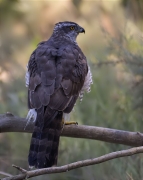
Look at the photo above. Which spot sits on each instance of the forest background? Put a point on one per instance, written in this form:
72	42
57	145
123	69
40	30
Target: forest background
113	45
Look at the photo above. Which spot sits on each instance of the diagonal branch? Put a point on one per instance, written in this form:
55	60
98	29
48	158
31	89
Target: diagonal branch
5	174
19	168
75	165
11	123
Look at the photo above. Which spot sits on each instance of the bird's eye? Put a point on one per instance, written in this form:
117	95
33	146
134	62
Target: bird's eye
72	27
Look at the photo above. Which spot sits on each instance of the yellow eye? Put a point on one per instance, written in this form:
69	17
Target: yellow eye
72	27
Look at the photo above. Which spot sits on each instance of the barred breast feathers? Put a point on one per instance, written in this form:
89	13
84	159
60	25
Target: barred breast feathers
87	83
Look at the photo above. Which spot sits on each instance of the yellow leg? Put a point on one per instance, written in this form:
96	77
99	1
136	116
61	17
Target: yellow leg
69	122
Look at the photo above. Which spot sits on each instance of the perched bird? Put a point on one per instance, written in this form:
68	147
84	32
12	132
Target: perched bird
57	74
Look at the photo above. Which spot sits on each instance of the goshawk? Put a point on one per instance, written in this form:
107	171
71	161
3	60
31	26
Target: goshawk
57	74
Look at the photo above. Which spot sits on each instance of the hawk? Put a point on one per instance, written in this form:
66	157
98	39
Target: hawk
57	74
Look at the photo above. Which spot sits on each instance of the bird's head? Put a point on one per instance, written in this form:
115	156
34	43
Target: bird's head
69	29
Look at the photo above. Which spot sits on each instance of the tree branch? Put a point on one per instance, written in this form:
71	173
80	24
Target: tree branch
19	168
5	174
11	123
75	165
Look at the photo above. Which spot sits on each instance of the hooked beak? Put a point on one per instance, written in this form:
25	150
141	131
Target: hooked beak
81	30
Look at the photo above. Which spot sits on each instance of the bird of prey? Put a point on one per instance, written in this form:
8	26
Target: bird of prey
57	74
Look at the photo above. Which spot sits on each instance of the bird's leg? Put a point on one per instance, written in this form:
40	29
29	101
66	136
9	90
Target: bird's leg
68	122
65	121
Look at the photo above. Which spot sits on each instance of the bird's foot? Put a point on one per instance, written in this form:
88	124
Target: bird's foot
31	116
67	123
70	122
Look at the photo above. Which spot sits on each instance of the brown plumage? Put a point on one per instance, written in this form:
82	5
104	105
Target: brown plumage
56	70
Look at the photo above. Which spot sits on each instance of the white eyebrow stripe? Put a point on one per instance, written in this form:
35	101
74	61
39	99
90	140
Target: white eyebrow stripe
64	24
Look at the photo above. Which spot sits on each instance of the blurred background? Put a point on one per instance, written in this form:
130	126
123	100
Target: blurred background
113	45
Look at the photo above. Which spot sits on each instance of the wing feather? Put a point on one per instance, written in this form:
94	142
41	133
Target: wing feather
56	77
67	86
34	99
34	82
43	96
58	100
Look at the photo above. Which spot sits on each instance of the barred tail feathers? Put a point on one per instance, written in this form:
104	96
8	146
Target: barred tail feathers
45	140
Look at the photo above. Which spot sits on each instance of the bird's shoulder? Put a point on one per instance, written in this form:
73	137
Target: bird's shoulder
67	58
50	50
55	71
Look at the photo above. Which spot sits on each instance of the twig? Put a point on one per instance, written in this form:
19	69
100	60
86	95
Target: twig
19	168
113	62
17	124
79	164
5	174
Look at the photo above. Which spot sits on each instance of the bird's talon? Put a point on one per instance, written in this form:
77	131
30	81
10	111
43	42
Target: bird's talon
70	123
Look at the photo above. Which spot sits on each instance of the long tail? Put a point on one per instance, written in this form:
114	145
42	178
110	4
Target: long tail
45	139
